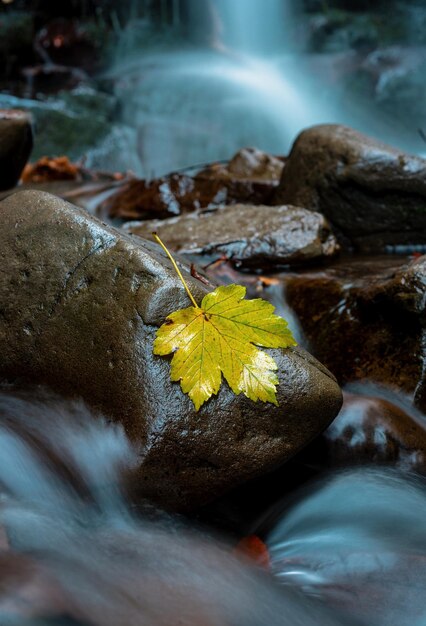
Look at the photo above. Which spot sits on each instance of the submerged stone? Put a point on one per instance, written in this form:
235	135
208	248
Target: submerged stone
373	194
250	236
81	302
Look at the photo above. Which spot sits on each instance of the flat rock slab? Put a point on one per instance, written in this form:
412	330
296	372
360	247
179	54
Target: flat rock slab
16	142
373	194
80	304
250	236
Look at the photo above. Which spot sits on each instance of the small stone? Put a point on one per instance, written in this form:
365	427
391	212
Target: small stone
249	164
373	429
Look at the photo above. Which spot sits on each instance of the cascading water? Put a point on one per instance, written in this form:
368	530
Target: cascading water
254	28
195	105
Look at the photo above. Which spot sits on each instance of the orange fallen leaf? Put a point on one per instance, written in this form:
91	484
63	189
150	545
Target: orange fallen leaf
255	549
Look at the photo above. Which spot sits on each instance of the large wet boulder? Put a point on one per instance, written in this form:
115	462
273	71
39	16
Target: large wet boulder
366	320
250	236
80	304
16	142
373	194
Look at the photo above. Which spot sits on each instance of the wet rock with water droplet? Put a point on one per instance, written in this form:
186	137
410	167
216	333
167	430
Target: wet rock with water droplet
251	176
373	194
260	237
16	142
81	302
375	429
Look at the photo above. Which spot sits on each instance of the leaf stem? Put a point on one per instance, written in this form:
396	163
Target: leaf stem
179	273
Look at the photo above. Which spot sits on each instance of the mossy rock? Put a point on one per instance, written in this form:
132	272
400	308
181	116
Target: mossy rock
71	123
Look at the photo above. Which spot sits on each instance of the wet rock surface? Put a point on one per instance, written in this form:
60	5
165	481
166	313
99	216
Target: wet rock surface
373	194
250	236
179	193
251	176
80	306
249	164
364	318
16	142
373	429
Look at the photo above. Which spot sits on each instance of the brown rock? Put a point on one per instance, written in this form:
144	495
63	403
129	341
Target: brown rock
159	198
251	176
16	142
80	305
250	236
373	194
365	320
249	164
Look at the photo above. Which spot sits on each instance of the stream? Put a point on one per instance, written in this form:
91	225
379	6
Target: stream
75	551
334	512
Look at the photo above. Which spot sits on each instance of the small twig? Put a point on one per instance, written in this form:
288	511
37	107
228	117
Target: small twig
198	276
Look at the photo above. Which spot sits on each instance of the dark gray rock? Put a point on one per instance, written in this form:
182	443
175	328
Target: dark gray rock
251	236
16	142
80	304
373	194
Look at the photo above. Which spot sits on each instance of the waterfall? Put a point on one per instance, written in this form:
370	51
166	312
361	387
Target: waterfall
235	85
255	27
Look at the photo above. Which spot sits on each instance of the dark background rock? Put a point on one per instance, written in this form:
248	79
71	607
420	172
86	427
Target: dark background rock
365	320
250	236
80	306
16	142
71	129
373	194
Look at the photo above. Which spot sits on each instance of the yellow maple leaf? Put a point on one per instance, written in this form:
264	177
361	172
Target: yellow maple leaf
217	338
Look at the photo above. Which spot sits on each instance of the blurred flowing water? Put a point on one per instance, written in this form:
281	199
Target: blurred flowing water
247	81
191	105
349	549
357	541
72	551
